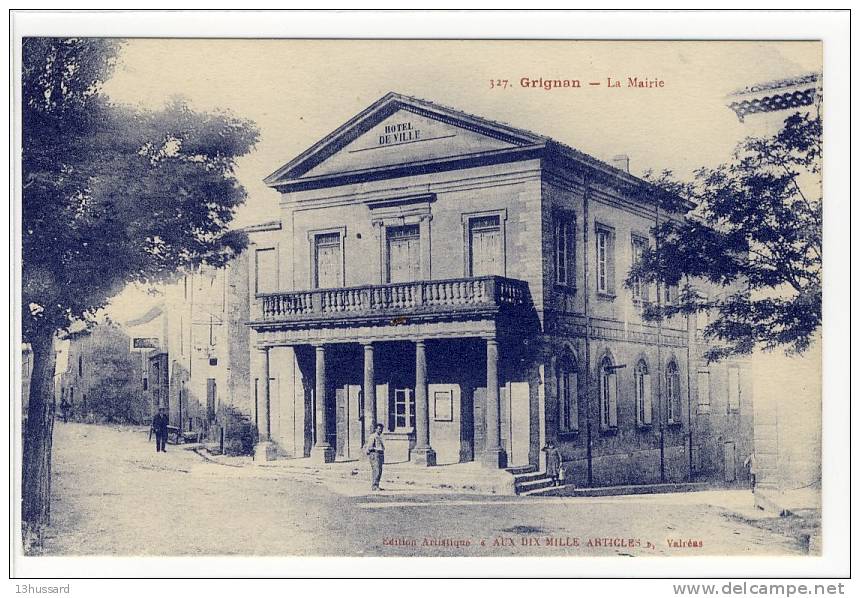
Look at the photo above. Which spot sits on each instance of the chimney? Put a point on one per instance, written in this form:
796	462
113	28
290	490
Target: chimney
621	162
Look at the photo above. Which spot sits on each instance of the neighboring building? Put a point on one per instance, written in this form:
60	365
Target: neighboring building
194	348
461	282
787	389
96	374
723	407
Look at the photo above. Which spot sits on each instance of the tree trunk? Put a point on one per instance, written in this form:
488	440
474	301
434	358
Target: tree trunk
38	433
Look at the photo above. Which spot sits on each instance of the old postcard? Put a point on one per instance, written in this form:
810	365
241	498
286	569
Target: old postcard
420	298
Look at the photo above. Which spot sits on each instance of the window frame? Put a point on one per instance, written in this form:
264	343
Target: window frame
567	393
409	410
313	235
608	379
387	265
673	393
564	220
703	406
642	389
466	220
257	251
607	289
639	289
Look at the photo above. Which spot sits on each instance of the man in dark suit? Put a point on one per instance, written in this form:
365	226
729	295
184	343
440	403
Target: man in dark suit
159	426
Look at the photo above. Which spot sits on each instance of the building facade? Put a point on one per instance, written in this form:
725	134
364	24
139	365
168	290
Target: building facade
193	349
461	282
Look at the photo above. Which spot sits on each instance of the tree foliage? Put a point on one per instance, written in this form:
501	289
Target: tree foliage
752	233
111	195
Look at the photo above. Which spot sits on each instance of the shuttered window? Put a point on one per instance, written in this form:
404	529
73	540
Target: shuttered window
608	395
703	392
328	261
734	389
673	393
565	247
605	257
642	381
568	387
485	246
404	253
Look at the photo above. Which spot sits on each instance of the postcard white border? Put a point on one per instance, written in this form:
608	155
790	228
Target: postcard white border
830	27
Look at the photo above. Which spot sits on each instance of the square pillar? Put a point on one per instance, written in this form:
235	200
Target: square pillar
322	451
494	456
265	449
422	454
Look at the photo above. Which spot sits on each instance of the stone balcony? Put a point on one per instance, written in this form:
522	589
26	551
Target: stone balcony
423	301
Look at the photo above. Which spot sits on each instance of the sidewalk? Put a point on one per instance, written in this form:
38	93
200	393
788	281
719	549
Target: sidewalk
460	477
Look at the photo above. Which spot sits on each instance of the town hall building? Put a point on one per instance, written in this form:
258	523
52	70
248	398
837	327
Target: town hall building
461	282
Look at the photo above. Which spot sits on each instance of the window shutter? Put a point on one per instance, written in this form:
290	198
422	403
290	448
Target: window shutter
646	399
571	251
574	401
610	262
704	392
613	401
734	390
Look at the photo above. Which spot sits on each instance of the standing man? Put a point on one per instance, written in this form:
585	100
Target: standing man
159	425
64	409
376	453
750	464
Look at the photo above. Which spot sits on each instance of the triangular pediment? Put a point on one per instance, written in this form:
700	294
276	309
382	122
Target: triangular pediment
398	130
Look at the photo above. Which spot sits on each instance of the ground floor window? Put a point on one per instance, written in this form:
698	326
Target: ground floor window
404	409
567	385
673	393
608	395
642	383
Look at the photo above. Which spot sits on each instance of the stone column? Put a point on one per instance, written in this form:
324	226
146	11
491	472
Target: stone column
322	451
369	391
422	454
494	455
265	449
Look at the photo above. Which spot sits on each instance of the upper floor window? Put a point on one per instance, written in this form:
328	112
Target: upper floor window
642	382
568	386
265	270
485	246
670	294
605	258
703	392
673	393
734	403
565	247
608	395
327	260
80	365
404	253
639	288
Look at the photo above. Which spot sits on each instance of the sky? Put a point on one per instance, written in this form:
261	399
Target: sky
298	91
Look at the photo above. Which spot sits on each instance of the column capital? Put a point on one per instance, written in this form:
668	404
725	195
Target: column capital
420	341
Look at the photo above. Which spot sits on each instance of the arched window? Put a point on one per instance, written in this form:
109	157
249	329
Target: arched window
642	382
608	395
568	386
673	393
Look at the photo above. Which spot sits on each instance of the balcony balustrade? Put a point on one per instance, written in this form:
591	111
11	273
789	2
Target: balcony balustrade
454	296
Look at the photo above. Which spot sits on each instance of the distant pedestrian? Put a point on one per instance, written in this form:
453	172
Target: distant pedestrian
375	450
750	465
553	462
159	426
64	409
